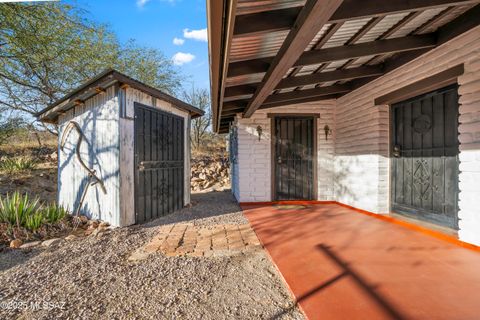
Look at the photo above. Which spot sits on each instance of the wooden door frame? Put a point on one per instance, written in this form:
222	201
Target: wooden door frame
273	117
391	133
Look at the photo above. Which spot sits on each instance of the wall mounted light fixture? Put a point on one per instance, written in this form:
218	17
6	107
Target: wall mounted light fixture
259	131
328	131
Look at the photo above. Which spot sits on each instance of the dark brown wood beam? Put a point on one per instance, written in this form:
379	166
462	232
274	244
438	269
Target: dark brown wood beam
339	53
459	25
429	84
308	93
310	20
366	49
231	113
321	42
468	20
394	29
283	19
336	75
301	100
354	9
274	20
237	92
357	36
228	106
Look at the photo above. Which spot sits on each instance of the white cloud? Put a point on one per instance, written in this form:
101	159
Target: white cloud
181	58
178	41
141	3
199	35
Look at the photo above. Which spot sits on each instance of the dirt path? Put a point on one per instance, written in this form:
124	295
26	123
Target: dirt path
92	278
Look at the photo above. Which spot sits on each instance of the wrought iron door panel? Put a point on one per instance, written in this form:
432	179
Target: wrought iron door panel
159	163
425	157
293	158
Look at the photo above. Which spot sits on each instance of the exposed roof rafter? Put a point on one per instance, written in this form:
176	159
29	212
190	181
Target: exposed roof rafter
238	92
283	19
310	21
339	53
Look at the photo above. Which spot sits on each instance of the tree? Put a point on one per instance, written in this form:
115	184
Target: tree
48	49
199	98
9	125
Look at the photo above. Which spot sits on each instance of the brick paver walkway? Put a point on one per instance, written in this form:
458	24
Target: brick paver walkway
202	241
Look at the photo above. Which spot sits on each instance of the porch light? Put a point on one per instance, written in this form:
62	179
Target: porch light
328	131
259	131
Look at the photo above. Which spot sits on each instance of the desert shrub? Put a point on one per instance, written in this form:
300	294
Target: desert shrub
16	208
12	165
34	221
53	213
19	210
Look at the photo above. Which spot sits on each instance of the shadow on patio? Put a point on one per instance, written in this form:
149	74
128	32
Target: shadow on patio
344	265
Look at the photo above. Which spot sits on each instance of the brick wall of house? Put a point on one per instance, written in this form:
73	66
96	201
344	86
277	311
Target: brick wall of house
254	156
362	133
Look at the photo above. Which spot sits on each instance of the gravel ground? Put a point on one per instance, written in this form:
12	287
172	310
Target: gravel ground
92	279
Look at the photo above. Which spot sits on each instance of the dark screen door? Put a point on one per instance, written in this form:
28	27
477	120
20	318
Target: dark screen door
425	157
294	158
159	163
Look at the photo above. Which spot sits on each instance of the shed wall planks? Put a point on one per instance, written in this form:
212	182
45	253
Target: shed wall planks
98	119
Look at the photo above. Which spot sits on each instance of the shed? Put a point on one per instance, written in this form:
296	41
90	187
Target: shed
124	149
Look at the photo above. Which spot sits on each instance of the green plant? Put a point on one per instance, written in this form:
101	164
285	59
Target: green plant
12	165
16	208
53	213
34	221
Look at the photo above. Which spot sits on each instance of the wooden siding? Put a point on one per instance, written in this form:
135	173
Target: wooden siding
98	119
362	133
129	97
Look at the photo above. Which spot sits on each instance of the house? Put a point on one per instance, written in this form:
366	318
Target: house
124	149
372	104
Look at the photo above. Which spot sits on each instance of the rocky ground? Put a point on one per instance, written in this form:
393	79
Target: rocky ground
40	182
210	173
91	277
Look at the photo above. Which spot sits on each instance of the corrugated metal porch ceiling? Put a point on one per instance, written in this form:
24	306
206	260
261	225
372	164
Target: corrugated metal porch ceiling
252	46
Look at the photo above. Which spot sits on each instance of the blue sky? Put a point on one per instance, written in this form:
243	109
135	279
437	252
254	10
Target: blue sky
156	23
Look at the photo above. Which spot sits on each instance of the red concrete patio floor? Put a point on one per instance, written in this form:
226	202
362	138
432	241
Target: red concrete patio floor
341	264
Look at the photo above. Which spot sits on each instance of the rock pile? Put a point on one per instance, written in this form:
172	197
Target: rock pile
210	173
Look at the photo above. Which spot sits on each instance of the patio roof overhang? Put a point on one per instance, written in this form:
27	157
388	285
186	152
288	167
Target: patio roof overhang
265	54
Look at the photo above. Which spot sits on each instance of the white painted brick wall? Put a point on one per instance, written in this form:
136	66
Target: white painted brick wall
254	156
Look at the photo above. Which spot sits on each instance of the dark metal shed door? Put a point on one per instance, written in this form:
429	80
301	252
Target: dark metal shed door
159	163
294	158
425	157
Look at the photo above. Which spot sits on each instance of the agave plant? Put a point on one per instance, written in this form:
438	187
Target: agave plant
16	208
17	164
53	213
34	221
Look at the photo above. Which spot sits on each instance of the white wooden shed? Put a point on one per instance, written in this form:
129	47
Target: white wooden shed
124	150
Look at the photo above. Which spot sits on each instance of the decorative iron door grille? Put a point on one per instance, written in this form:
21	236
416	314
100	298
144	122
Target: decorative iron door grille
425	157
294	158
159	163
